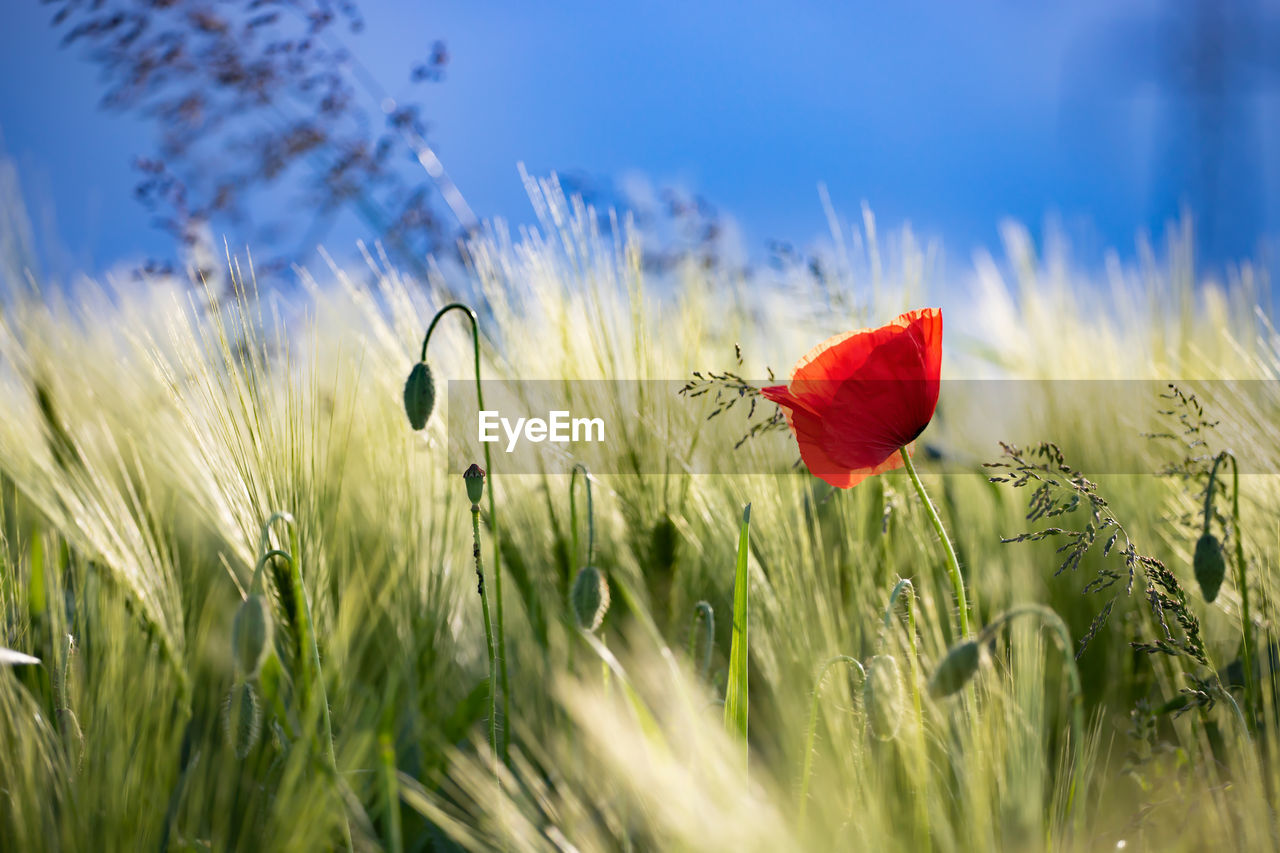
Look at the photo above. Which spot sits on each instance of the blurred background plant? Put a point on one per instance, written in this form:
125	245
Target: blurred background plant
259	98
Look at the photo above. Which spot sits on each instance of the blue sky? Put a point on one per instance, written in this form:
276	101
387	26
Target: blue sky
952	116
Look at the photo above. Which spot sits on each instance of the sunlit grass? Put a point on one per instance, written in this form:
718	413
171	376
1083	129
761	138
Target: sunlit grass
174	425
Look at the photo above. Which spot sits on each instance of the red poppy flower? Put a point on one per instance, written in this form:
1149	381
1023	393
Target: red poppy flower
856	398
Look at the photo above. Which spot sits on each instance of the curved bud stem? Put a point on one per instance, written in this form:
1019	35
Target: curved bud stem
264	541
906	590
811	732
313	674
256	583
501	644
1209	490
905	586
1249	655
579	468
1062	635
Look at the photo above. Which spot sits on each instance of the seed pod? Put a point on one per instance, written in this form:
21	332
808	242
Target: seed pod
1210	566
242	719
474	478
956	669
419	395
72	737
883	696
251	636
589	598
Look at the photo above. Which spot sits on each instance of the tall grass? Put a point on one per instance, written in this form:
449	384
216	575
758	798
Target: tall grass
149	433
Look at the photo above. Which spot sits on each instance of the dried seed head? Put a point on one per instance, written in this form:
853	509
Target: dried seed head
242	719
590	598
1210	565
883	696
474	478
251	636
419	395
956	669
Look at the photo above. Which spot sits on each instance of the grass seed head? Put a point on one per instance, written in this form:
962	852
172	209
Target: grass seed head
242	718
1210	565
251	636
419	395
960	665
883	696
590	598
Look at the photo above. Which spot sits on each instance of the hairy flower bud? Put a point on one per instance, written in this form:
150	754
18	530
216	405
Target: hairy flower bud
251	636
474	478
883	696
242	719
419	395
589	598
1210	566
956	669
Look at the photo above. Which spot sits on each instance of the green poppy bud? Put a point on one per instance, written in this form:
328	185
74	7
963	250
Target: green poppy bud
956	669
251	636
474	478
589	598
883	696
242	719
1210	566
664	539
419	395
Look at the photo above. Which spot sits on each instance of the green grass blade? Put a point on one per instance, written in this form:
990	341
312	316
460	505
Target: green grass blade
391	791
735	696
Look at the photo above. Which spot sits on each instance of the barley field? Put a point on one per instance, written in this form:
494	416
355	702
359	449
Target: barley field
251	584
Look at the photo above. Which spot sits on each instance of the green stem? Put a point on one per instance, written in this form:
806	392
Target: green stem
314	674
1246	620
811	732
573	518
905	585
391	795
574	565
267	556
953	563
488	630
1062	634
493	518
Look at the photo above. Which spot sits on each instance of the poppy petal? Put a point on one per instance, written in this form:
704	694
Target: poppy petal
888	401
817	374
813	452
858	397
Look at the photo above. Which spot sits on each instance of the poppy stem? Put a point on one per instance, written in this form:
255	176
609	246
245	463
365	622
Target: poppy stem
1062	635
488	632
811	730
953	563
1246	621
500	648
